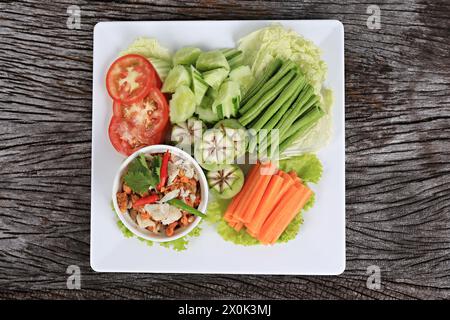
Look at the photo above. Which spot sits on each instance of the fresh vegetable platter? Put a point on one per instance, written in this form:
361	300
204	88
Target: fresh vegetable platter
258	106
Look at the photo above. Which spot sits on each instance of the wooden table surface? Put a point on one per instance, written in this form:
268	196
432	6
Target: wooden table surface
397	153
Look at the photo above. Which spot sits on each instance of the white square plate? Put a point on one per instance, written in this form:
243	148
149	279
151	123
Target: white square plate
319	249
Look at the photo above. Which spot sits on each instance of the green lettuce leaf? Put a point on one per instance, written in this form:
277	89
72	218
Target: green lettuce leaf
126	233
307	166
148	242
149	48
275	41
180	244
214	213
177	245
310	203
159	57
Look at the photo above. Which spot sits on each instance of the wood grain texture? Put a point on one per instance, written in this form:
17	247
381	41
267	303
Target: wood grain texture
397	135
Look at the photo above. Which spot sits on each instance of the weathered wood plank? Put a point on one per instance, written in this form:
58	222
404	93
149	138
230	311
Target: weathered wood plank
397	135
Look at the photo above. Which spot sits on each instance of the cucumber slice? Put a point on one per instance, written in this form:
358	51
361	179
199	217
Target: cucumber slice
214	78
212	93
186	56
161	66
211	60
226	104
199	86
182	104
244	76
204	111
178	76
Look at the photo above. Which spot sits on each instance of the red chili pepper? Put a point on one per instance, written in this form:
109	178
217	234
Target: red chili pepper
146	200
163	172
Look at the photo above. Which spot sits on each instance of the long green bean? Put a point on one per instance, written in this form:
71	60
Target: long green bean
305	108
277	117
300	127
231	53
290	116
284	96
270	70
266	99
271	83
294	126
273	122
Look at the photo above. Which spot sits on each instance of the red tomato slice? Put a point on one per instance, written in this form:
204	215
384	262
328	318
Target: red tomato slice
149	116
126	139
130	78
158	81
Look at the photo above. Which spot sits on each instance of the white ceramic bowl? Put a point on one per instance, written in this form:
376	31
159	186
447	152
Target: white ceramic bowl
125	217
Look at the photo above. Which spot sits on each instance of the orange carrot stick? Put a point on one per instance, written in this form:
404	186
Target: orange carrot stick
268	202
256	195
229	214
232	224
294	176
285	176
280	219
288	203
238	226
230	209
298	182
287	184
247	194
251	233
268	169
283	223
